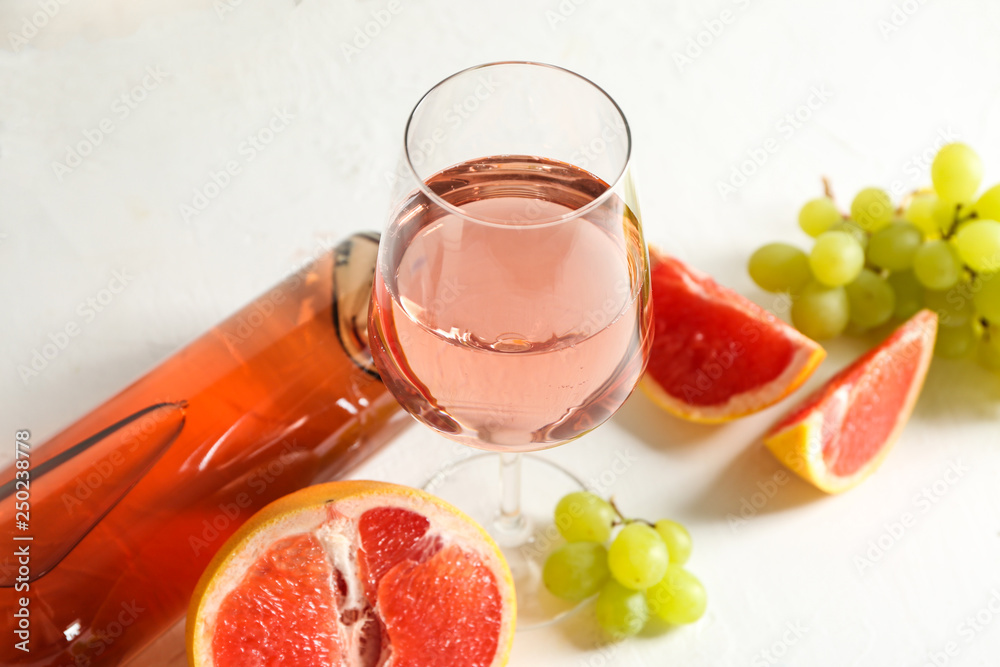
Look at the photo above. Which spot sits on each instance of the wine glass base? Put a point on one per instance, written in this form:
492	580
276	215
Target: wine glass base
472	486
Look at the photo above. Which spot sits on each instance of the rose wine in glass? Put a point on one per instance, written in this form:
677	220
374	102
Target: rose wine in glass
489	340
510	307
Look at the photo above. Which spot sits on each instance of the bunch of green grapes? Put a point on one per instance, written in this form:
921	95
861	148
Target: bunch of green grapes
639	575
940	249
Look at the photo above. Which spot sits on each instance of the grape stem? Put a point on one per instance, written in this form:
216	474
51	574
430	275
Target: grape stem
958	220
622	520
827	188
907	198
828	193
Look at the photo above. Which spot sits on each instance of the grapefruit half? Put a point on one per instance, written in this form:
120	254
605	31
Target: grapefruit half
354	574
716	355
841	433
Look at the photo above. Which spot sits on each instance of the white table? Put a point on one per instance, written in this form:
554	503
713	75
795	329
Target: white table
200	76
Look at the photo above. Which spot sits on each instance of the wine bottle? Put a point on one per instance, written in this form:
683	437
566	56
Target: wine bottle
106	528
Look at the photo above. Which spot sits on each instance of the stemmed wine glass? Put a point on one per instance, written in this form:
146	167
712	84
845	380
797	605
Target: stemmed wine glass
510	309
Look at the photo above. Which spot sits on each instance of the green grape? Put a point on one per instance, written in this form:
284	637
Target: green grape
955	342
638	557
936	265
576	570
678	598
872	209
987	299
988	352
779	267
677	539
909	294
622	612
956	172
836	259
818	215
821	312
893	247
921	212
952	306
871	300
852	228
946	214
988	206
978	245
979	328
582	516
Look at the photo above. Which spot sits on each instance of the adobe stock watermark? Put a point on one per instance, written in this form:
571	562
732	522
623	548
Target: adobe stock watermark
224	7
365	34
229	512
423	148
700	42
35	23
610	135
779	648
605	652
971	627
86	312
785	128
600	484
121	108
751	505
917	166
563	11
130	438
248	150
601	317
915	169
241	326
103	638
956	311
923	502
723	360
901	14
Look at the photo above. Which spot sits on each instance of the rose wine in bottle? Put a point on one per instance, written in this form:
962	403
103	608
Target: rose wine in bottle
523	352
126	507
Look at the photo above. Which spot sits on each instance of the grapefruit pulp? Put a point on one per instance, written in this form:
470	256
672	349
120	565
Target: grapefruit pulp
354	574
841	433
717	355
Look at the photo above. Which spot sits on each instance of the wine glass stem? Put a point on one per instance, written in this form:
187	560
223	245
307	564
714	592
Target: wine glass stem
511	521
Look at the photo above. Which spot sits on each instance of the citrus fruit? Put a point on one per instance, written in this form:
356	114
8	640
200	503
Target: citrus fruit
717	355
844	430
354	574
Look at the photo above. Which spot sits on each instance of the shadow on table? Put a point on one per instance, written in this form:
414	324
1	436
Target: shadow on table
753	479
657	427
959	389
582	630
753	483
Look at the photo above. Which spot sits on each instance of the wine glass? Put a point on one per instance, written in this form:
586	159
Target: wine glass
510	309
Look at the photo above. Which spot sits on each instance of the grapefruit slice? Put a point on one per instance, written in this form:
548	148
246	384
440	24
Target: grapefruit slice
354	574
717	355
842	432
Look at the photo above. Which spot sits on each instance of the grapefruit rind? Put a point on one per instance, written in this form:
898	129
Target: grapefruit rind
801	443
803	365
307	511
804	362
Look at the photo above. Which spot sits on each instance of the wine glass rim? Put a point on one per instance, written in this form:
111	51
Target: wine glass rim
569	215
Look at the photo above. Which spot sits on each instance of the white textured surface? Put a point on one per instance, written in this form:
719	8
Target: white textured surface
793	564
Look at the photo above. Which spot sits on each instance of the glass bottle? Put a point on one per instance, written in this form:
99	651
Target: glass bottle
126	507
